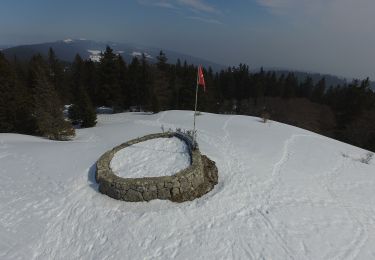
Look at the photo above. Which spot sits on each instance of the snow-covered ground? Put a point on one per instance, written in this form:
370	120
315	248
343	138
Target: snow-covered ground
152	158
283	193
139	54
95	55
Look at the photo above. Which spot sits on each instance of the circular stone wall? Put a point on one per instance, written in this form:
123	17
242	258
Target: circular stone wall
188	184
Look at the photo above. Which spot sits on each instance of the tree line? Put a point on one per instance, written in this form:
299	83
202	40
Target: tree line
33	94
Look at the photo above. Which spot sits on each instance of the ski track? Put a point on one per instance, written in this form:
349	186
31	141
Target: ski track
232	162
68	213
161	117
62	232
360	238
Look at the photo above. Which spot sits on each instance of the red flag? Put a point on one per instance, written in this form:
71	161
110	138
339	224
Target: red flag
200	79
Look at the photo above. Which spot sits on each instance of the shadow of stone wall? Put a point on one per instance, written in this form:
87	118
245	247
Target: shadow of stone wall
186	185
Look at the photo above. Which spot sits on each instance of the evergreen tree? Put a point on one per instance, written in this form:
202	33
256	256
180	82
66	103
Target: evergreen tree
290	86
82	110
15	101
124	82
160	93
7	96
162	61
47	109
161	89
145	90
134	82
56	76
306	87
90	81
319	91
109	92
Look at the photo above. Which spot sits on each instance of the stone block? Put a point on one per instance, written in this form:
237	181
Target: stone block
175	192
150	195
164	194
133	195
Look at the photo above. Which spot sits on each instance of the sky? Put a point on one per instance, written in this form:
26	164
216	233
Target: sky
326	36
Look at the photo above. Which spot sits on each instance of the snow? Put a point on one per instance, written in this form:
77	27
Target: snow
104	110
152	158
95	55
283	193
139	54
95	52
68	40
66	110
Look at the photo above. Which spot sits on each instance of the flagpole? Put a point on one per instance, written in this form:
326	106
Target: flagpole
195	109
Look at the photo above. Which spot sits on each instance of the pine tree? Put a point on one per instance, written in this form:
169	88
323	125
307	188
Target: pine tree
82	110
124	82
47	109
15	101
306	87
318	91
90	80
109	91
7	96
290	86
161	92
162	61
145	84
56	76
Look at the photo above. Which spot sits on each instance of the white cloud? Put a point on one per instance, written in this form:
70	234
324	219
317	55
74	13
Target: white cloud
203	19
165	5
197	10
291	7
194	5
159	3
199	5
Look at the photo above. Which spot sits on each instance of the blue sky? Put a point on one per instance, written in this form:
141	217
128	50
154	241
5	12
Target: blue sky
328	36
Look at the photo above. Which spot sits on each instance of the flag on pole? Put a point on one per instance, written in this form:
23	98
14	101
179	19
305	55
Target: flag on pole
200	80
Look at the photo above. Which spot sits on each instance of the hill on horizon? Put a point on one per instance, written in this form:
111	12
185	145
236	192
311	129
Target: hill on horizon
87	49
331	80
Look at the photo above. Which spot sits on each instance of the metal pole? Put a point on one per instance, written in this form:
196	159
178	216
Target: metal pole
195	109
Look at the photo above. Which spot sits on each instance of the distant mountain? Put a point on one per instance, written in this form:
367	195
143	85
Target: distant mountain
331	80
67	49
5	46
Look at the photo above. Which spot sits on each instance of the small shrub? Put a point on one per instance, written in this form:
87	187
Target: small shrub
192	135
345	155
366	158
265	116
198	113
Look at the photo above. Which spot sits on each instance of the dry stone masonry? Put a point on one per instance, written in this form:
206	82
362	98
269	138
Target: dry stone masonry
188	184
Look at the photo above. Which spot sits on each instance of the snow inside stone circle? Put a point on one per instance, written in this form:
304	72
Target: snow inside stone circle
152	158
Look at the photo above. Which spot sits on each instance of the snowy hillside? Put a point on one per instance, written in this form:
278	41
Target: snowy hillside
283	193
